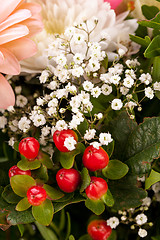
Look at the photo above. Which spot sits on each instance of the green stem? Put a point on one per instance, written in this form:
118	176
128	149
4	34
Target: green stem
56	229
104	116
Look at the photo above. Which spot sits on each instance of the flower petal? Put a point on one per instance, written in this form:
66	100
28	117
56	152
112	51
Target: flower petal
10	63
22	48
7	8
18	16
7	97
12	33
114	3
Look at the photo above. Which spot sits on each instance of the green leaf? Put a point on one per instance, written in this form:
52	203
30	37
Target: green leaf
153	48
85	237
53	193
68	226
3	159
105	62
67	158
4	225
157	237
15	146
14	217
45	159
43	213
141	41
83	127
153	178
153	23
58	206
156	73
143	146
23	205
85	178
41	173
149	11
25	164
46	232
96	206
125	192
115	170
108	199
21	183
21	229
71	237
120	128
113	235
9	196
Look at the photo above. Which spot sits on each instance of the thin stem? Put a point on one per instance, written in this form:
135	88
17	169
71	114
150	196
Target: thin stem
104	116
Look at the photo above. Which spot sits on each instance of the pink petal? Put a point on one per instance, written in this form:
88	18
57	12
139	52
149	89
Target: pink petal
7	7
10	63
33	7
35	26
12	33
22	48
7	97
114	3
18	16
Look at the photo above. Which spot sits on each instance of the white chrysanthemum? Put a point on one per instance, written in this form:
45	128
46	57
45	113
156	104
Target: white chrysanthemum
58	15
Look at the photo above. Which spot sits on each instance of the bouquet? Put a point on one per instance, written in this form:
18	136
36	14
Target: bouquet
80	119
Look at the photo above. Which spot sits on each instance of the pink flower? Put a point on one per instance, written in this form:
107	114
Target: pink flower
18	22
114	3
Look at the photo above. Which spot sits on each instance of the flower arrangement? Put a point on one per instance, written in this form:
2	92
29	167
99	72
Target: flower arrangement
79	119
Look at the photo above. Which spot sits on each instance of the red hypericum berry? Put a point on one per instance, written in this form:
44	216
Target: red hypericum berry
60	136
36	195
99	230
17	171
29	147
97	188
68	179
95	159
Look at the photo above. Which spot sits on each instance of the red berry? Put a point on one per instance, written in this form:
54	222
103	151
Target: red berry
36	195
17	171
60	136
99	230
68	179
29	147
97	188
95	159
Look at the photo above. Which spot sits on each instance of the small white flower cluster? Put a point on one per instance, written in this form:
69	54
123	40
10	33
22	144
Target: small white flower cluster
113	222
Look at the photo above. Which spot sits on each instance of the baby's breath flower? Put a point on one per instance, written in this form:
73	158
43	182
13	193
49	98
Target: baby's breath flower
88	86
96	92
3	122
95	144
145	78
116	104
21	101
60	125
70	143
142	233
106	89
149	92
44	76
90	134
113	222
39	120
24	124
156	86
105	138
141	219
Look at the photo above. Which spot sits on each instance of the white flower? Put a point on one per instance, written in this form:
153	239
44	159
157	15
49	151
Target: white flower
115	79
88	86
145	78
11	141
121	52
105	77
77	71
78	58
124	90
99	115
78	39
24	124
52	111
61	93
61	60
141	219
60	125
113	222
53	103
13	125
93	65
95	144
40	101
18	89
45	131
141	179
132	63
70	143
44	76
116	104
75	102
21	101
131	73
39	120
52	85
149	92
3	122
128	82
156	187
105	138
130	105
71	88
156	86
146	201
106	89
89	134
10	109
117	69
142	232
95	92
